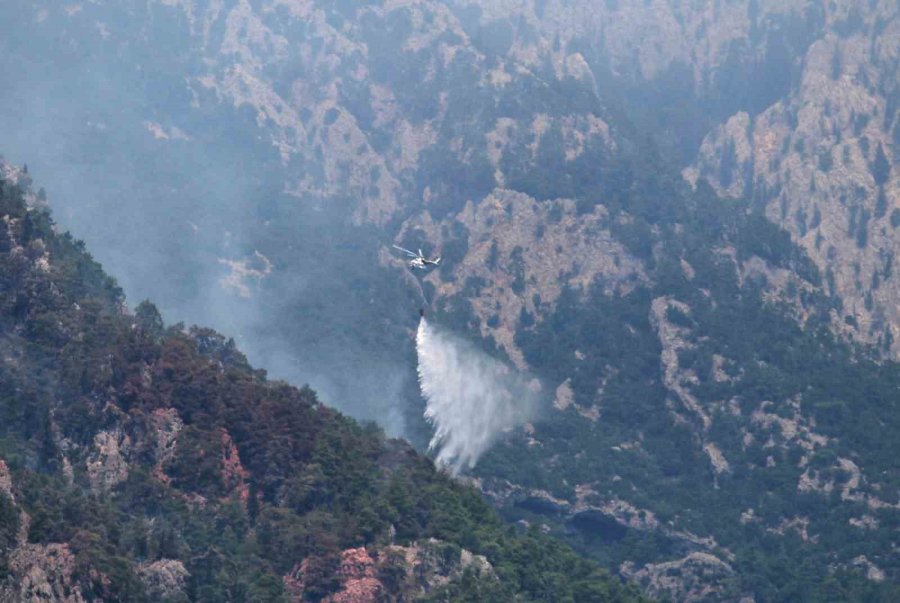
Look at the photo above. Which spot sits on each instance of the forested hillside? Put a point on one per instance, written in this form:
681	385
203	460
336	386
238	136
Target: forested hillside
145	462
680	217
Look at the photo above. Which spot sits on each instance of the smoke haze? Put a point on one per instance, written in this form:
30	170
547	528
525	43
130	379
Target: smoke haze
470	397
181	197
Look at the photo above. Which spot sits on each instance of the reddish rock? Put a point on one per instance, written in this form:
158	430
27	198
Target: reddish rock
234	475
360	583
293	582
358	579
42	573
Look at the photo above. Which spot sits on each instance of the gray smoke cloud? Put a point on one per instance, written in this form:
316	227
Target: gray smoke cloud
471	398
181	198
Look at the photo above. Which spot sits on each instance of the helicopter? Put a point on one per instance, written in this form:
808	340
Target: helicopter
418	259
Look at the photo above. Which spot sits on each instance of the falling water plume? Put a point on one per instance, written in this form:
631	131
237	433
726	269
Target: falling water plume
470	397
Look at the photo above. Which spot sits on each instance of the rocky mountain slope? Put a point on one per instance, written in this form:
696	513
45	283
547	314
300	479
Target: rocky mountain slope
139	462
791	105
679	216
703	410
822	163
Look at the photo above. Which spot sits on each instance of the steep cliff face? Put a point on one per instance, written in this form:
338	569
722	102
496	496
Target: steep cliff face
684	66
792	105
355	100
821	161
640	40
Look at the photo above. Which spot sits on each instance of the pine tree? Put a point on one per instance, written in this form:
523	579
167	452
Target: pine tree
881	167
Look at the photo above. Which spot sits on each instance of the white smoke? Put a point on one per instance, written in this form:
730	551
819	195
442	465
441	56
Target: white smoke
470	397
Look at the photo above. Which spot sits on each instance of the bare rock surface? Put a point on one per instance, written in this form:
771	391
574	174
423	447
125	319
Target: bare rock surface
42	573
521	253
394	573
689	579
164	579
107	464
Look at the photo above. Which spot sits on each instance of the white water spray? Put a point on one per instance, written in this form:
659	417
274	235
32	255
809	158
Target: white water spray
470	397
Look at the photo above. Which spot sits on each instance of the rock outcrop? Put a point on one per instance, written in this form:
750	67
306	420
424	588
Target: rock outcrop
688	579
822	162
164	579
520	255
107	464
394	573
42	573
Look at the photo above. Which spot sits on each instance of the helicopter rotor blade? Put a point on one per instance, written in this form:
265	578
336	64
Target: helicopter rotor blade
406	251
